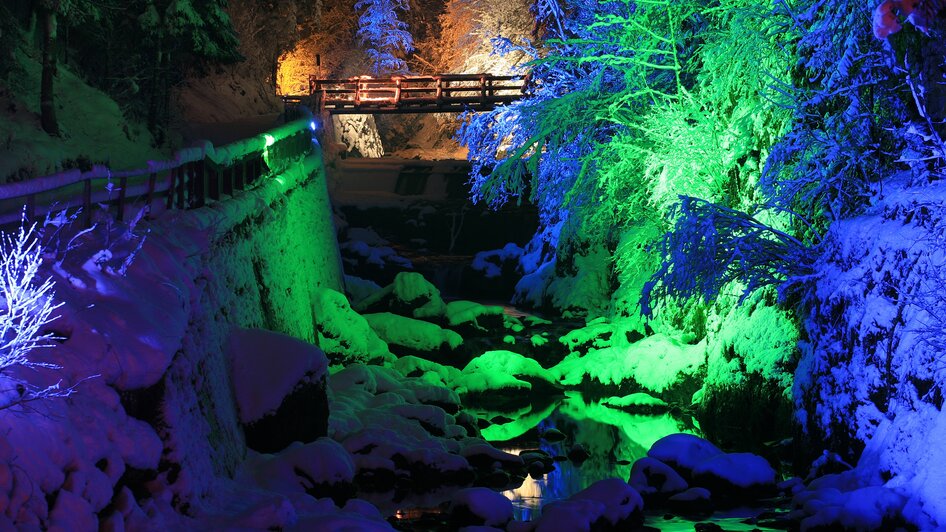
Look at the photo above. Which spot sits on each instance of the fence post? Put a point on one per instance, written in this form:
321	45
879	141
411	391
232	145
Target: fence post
181	186
31	208
122	185
227	176
240	177
87	201
200	184
213	183
172	183
152	180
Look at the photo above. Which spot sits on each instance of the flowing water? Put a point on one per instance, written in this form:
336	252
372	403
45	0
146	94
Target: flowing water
614	440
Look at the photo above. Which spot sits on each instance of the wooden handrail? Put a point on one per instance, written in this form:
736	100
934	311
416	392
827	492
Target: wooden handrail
438	93
189	178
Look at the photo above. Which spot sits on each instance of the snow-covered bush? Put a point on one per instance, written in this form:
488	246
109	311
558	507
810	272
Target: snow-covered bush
26	306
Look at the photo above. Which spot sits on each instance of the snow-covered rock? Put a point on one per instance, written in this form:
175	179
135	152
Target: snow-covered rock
653	478
641	403
849	501
470	317
736	475
344	335
410	336
480	506
683	452
504	375
359	289
279	386
409	295
494	262
659	364
321	468
693	501
606	504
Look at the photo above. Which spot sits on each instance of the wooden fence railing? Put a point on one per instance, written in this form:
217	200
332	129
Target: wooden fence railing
189	179
416	94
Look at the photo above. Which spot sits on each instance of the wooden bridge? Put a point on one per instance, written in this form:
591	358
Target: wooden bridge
444	93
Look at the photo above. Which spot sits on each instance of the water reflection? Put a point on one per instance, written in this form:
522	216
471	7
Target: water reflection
613	438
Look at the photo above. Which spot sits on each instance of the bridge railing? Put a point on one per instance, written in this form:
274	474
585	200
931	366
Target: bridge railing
189	179
446	91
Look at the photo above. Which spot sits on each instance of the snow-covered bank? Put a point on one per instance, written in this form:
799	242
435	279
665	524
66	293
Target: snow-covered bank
870	379
154	411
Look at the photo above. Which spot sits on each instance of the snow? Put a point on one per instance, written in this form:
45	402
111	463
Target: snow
358	289
845	500
683	451
409	293
620	500
426	370
378	255
609	500
343	334
650	476
266	366
158	336
656	363
743	470
462	312
94	128
494	370
750	338
490	507
691	495
869	367
588	292
412	334
299	467
639	399
492	262
595	334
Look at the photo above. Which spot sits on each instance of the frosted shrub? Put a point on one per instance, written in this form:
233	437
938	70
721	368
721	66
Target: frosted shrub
26	306
712	246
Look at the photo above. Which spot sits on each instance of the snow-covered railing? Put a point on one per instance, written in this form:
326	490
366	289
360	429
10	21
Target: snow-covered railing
187	180
416	94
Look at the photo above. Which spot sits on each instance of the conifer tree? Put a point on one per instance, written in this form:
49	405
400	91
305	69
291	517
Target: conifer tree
385	36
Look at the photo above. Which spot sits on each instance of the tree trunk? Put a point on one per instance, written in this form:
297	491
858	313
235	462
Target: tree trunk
47	98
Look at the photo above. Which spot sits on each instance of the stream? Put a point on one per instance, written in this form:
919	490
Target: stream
614	440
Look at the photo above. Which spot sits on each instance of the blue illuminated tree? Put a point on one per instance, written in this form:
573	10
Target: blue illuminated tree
384	35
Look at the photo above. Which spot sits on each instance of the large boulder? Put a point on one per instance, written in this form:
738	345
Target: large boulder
280	388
